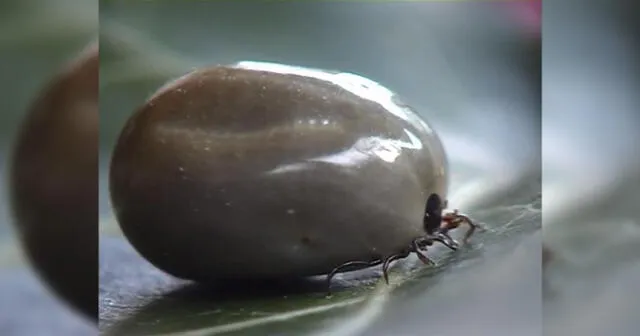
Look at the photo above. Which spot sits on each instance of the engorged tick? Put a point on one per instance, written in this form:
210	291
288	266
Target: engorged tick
309	168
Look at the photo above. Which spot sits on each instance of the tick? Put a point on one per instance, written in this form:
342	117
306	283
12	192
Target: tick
266	171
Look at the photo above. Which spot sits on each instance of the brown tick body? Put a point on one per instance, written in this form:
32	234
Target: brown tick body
54	182
263	171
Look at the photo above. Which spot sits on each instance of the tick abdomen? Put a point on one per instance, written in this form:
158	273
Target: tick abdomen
231	173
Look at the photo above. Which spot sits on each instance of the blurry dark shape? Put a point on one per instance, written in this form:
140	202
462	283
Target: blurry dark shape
271	171
547	256
54	187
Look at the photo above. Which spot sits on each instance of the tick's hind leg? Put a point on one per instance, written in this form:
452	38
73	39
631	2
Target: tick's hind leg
389	260
349	266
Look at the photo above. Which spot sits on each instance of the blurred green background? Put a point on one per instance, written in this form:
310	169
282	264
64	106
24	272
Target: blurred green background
591	167
37	38
471	69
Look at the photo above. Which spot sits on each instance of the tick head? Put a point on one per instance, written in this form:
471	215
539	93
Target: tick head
433	213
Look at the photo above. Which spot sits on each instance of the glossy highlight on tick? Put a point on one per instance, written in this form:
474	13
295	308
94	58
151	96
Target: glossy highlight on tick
268	171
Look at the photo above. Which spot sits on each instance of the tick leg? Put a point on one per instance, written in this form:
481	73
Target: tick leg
453	220
472	227
450	243
387	263
349	266
416	249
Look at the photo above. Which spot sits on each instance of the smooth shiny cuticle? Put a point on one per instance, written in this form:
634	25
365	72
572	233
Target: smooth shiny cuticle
262	170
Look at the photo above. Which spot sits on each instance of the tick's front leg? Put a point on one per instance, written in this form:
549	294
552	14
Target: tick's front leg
453	220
